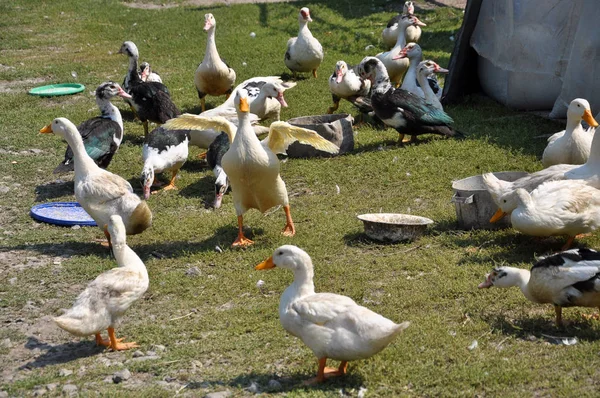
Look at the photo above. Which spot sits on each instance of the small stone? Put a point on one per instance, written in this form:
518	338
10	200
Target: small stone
39	392
473	345
274	385
260	284
369	47
137	354
160	348
218	249
254	388
252	35
65	372
7	343
193	272
12	281
244	64
531	338
35	150
76	227
151	353
69	389
218	394
3	394
51	387
108	379
169	379
121	375
4	189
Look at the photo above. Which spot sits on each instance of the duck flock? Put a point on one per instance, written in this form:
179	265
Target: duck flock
397	87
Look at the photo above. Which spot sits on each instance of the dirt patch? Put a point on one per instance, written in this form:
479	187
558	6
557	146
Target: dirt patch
15	86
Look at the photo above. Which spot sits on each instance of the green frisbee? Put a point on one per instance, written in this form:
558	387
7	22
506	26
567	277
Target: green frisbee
54	90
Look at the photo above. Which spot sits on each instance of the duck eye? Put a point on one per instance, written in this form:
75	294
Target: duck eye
280	253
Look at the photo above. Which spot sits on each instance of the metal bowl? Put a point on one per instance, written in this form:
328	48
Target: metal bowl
394	227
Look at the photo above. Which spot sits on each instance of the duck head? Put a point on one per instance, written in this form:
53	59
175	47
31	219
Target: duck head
580	109
369	67
288	257
147	178
429	67
499	277
411	51
117	231
209	22
341	68
108	90
144	70
304	16
409	8
60	126
130	49
241	101
221	186
275	90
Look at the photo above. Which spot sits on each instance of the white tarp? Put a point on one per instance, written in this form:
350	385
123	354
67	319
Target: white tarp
533	51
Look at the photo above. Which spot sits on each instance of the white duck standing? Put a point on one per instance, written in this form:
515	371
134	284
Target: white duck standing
252	165
414	53
213	76
100	192
397	67
331	325
567	279
304	53
390	32
426	69
345	83
572	145
101	305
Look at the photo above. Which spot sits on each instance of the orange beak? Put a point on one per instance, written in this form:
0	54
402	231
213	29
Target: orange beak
589	119
498	216
267	264
47	129
244	107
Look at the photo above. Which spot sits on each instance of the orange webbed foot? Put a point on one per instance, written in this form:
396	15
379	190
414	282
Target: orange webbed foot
242	241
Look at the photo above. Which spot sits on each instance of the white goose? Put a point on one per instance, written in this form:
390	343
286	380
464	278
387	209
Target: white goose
100	192
390	32
252	165
397	67
331	325
213	76
572	145
106	298
304	53
345	83
567	279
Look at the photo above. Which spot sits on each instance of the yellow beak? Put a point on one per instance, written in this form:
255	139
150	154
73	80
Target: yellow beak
589	119
498	216
46	130
267	264
244	107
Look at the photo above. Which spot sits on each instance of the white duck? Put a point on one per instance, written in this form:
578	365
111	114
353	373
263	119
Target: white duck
572	145
147	74
345	83
163	150
304	53
426	69
252	165
566	207
100	192
213	76
397	67
331	325
390	33
567	279
101	305
414	53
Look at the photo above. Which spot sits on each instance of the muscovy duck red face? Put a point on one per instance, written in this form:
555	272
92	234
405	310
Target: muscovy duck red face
305	14
209	22
409	8
340	70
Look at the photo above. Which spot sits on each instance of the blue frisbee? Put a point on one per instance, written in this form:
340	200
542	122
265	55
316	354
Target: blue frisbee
62	213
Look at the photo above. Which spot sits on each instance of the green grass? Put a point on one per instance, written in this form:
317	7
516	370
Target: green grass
228	334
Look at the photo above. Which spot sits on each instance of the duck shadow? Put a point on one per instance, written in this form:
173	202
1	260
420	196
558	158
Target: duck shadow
135	139
543	327
64	249
287	384
60	353
53	190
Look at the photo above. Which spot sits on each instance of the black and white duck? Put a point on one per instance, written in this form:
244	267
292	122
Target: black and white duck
102	135
347	84
304	53
412	33
147	74
400	109
567	279
163	150
151	101
215	153
213	76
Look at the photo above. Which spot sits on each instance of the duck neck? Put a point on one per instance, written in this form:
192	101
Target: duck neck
83	162
127	258
427	91
594	158
522	282
411	74
382	80
304	32
401	40
211	47
244	125
109	111
303	284
573	122
132	76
